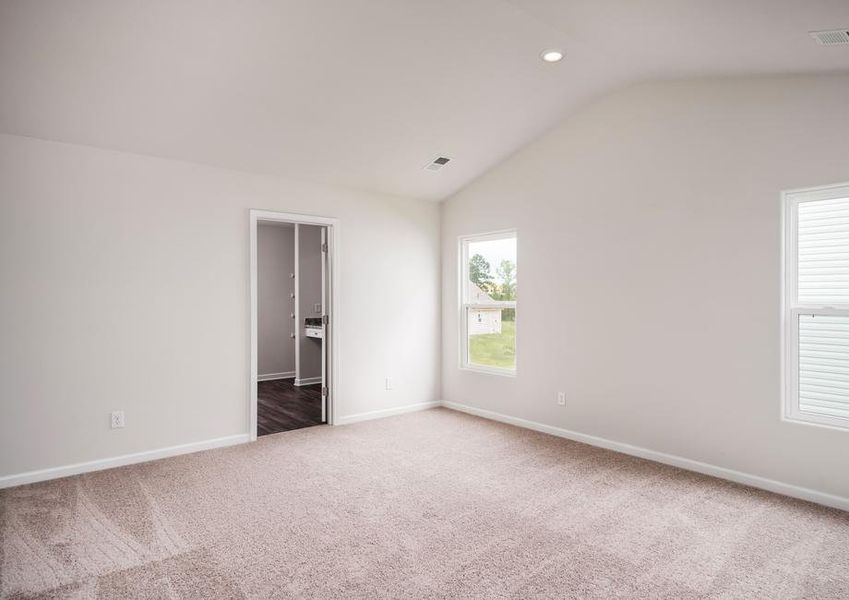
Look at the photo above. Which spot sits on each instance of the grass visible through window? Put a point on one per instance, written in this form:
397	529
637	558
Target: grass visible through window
495	349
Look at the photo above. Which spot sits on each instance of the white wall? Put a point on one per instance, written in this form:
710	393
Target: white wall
125	286
275	251
309	294
649	253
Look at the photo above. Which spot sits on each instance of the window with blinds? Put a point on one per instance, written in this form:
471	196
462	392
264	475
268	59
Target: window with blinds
817	306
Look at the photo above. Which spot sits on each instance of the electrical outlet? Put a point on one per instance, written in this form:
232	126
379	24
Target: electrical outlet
561	398
117	419
389	383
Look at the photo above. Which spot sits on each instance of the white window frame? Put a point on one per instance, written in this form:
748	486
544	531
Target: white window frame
465	307
792	308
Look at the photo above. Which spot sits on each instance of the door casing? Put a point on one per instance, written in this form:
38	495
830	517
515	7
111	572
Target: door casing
332	309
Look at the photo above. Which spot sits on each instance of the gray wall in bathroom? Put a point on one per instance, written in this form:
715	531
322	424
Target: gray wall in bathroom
309	294
275	261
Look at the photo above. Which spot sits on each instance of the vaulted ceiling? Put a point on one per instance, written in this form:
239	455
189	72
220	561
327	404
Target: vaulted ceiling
365	93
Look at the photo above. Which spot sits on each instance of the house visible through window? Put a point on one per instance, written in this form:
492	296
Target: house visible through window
816	319
488	302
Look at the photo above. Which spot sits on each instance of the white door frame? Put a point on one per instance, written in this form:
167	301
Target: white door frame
333	245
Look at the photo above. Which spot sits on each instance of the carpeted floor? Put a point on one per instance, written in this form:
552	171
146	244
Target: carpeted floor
435	504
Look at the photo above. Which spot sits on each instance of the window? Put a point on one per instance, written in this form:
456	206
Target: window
488	302
816	306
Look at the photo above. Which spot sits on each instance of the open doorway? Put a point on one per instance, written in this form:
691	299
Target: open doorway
292	297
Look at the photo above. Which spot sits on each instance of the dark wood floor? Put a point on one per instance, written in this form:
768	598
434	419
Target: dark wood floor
283	406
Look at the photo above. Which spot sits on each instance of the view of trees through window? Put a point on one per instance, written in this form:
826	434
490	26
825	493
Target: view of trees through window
500	287
491	301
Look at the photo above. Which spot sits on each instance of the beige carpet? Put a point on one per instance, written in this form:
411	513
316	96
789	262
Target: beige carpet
429	505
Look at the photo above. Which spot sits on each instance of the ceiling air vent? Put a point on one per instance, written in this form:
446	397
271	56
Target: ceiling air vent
437	163
833	37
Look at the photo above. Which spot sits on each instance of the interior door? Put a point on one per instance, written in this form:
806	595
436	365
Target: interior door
325	327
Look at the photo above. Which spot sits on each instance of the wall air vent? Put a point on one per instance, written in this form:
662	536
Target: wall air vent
833	37
437	163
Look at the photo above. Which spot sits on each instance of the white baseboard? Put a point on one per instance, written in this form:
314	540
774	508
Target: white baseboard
119	461
756	481
274	376
386	412
307	380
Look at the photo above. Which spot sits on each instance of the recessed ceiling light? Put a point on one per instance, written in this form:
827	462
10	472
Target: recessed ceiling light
553	55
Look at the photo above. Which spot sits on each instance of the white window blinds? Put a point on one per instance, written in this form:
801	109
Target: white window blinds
824	252
824	365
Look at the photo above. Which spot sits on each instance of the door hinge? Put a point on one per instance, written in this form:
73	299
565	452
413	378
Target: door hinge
325	319
323	392
323	247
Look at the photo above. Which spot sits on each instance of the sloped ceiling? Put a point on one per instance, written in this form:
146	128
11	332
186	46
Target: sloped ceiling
364	93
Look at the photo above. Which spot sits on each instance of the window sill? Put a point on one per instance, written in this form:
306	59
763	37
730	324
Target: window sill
489	370
835	423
